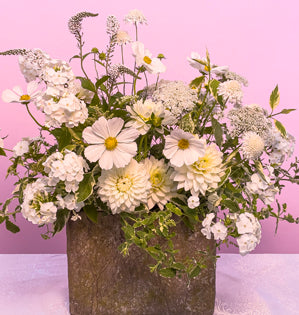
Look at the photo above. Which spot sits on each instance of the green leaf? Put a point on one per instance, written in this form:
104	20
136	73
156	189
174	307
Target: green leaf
195	272
87	84
178	266
259	168
11	226
231	205
274	98
197	81
225	177
217	132
214	87
2	152
85	187
167	272
174	209
62	136
103	79
45	236
280	127
91	212
2	219
287	111
62	216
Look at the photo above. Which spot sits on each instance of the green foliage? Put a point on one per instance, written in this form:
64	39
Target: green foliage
62	217
274	98
280	127
85	187
91	212
63	137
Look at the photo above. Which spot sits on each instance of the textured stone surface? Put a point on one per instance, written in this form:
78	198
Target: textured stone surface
102	281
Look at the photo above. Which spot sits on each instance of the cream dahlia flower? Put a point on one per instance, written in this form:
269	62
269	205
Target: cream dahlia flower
202	175
141	112
109	144
183	148
162	187
252	145
124	189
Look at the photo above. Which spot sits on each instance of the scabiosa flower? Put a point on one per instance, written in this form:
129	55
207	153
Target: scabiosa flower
38	206
229	75
252	145
183	148
16	95
142	112
109	144
135	17
124	189
112	25
122	37
176	96
203	174
193	202
162	187
250	118
232	91
144	58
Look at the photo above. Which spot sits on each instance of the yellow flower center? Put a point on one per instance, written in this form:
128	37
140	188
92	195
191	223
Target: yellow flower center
147	60
25	97
110	143
157	178
207	68
124	184
183	144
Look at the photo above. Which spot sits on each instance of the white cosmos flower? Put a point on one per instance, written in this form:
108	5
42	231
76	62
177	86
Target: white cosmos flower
183	148
162	187
16	95
109	144
141	112
193	202
144	58
124	189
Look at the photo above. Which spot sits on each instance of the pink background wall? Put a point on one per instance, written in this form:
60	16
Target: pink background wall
258	39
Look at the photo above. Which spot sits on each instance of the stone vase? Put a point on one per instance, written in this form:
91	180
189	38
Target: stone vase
102	281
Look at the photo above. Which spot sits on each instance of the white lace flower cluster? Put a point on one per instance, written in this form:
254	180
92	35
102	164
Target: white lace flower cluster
68	168
263	188
249	229
209	228
176	96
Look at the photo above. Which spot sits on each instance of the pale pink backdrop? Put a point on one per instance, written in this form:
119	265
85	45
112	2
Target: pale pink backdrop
258	39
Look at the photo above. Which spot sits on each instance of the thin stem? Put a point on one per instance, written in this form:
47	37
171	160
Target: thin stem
95	64
43	127
7	150
134	82
81	56
136	38
157	81
123	63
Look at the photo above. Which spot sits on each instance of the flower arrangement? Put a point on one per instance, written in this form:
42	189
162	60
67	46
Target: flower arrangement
167	153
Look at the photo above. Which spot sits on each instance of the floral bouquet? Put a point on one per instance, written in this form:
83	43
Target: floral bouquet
167	153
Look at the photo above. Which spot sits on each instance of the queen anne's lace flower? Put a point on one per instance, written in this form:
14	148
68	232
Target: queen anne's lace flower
162	187
135	17
183	148
232	91
109	144
252	145
176	96
143	112
202	175
124	189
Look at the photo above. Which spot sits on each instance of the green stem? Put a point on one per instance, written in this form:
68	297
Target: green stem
123	63
157	81
81	56
43	127
95	65
134	82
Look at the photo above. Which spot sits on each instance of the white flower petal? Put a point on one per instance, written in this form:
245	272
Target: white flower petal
100	127
9	96
106	161
114	126
18	90
90	137
94	152
128	135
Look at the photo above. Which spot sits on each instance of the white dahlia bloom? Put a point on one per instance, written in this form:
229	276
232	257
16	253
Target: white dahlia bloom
38	206
109	144
162	187
141	113
202	175
144	58
135	17
124	189
252	145
176	96
232	91
183	148
16	95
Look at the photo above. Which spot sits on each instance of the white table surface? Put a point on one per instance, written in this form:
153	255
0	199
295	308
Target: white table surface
258	284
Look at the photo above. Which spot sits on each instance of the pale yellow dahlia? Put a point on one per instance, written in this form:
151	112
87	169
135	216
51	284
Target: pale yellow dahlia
124	189
162	187
202	175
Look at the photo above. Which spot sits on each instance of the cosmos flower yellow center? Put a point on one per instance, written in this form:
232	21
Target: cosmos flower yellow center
124	184
25	97
110	143
207	68
183	144
147	60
